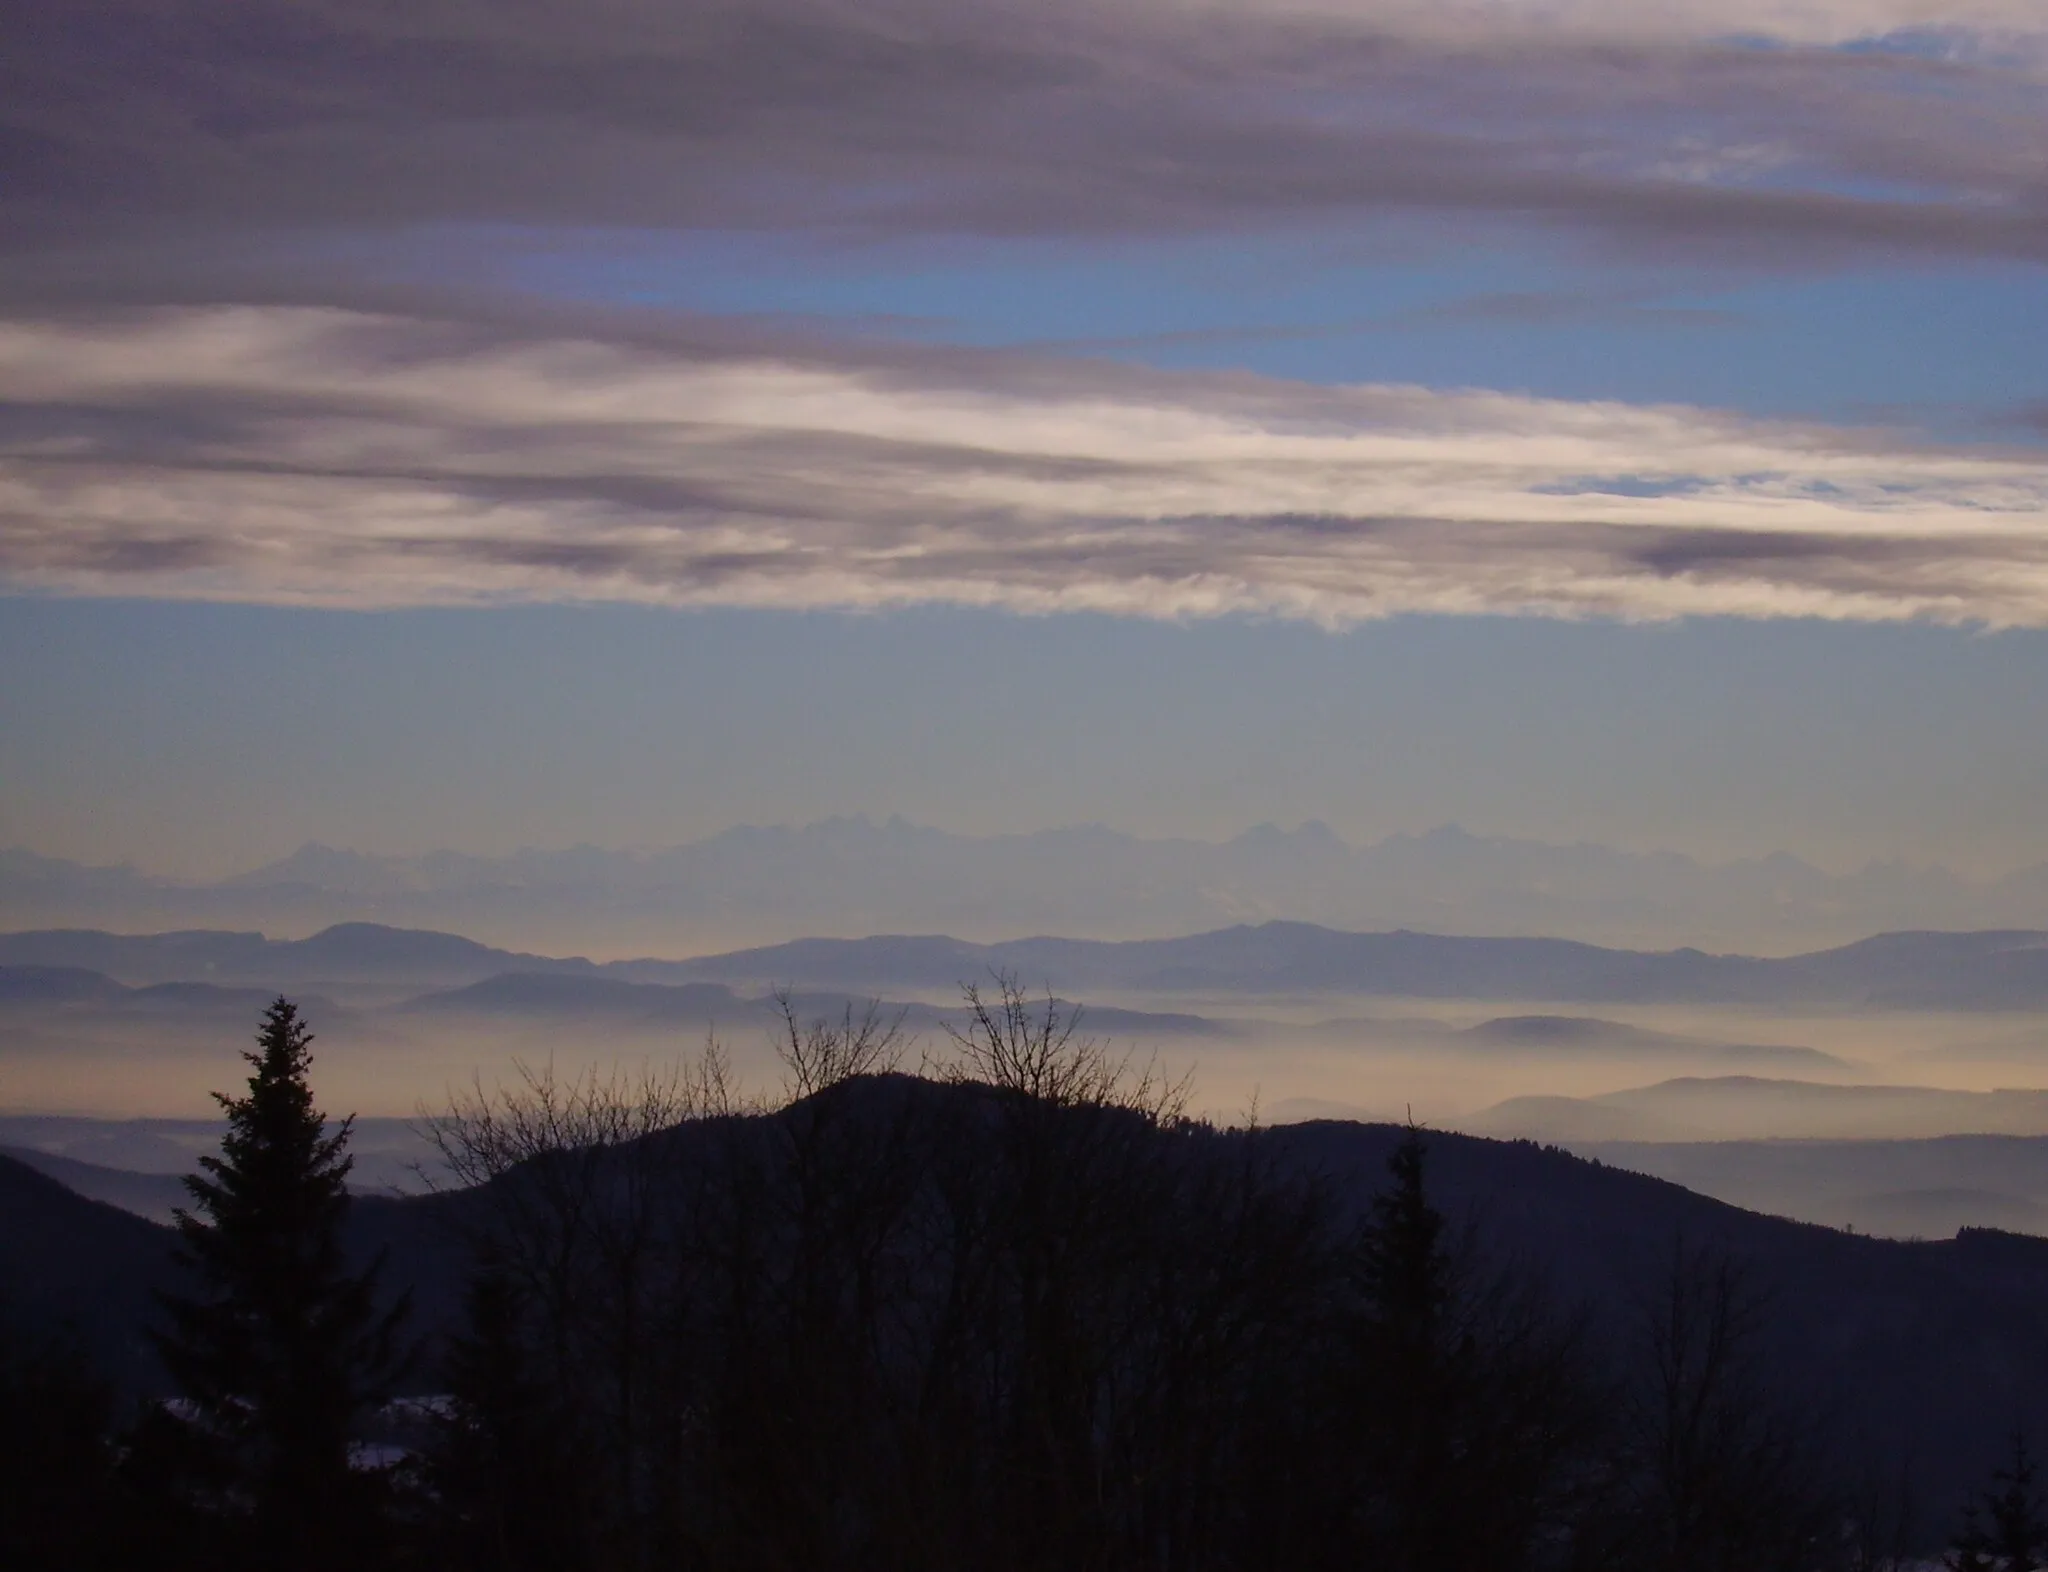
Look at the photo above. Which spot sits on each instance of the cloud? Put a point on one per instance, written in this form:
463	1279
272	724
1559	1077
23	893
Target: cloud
1915	126
364	459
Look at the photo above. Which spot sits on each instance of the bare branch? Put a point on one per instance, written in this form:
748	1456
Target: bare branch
821	1054
1017	1044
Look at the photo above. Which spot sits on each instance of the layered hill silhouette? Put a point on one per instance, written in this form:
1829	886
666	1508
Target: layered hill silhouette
2004	969
80	1271
356	954
138	1164
1926	1188
576	997
1719	1108
155	1196
1589	1037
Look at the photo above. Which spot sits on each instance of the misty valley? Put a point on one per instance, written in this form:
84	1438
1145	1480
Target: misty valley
1851	1087
985	786
1271	1246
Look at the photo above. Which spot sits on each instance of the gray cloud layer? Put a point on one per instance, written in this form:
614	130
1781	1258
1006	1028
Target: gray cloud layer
203	397
351	458
187	122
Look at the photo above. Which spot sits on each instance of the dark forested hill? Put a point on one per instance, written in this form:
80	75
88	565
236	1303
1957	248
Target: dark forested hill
80	1269
1924	1352
1915	1354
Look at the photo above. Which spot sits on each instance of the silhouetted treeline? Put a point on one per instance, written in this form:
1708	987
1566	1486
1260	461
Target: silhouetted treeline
1015	1312
1024	1313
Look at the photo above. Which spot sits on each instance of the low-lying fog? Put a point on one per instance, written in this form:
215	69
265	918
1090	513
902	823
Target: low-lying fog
1447	1064
1660	1088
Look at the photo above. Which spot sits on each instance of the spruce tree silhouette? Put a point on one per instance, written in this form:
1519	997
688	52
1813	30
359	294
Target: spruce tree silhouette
284	1349
506	1470
1474	1405
1409	1358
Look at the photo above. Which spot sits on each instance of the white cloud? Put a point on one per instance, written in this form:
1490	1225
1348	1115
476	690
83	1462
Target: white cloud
1801	21
344	458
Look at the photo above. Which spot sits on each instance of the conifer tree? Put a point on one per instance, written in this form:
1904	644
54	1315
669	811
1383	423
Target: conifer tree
1473	1403
1408	1362
506	1469
283	1349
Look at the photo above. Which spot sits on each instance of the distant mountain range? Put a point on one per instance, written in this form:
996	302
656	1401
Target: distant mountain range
1920	971
853	876
139	1164
1728	1107
154	1196
1901	1189
1582	1037
1993	970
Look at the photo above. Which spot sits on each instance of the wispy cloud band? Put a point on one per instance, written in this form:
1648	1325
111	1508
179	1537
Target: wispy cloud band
363	459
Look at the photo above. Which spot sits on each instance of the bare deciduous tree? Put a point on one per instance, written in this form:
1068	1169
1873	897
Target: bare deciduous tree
1725	1476
1034	1048
577	1228
821	1054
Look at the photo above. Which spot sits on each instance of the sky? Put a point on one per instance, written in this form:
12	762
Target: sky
456	426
